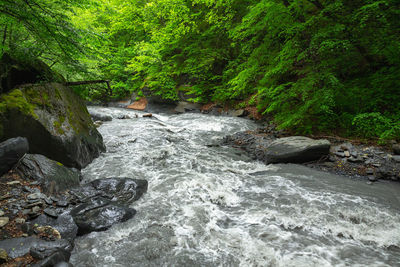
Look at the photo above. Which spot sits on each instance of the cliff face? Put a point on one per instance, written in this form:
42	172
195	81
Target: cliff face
54	120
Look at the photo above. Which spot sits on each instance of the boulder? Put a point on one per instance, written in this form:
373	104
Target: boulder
396	149
15	72
11	151
59	257
53	176
140	104
54	120
18	247
296	149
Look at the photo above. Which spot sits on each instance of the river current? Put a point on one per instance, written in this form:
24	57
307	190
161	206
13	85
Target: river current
210	205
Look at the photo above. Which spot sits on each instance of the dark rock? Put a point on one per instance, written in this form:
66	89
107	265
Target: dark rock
91	218
355	159
396	149
11	151
372	178
119	190
15	72
396	159
64	224
3	256
340	154
369	171
100	117
17	247
54	120
296	149
54	259
147	115
51	212
53	176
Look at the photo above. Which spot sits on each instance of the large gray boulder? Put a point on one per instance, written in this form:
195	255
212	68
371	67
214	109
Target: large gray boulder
55	121
11	151
52	175
296	149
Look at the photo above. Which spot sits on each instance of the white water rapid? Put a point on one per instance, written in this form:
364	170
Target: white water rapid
210	205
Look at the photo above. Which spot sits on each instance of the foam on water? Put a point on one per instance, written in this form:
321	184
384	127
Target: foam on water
212	206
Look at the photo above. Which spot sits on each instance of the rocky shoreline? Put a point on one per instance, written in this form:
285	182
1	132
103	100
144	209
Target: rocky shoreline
38	226
342	158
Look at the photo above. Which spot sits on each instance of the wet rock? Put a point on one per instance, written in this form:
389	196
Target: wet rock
35	209
56	123
372	178
396	159
91	218
33	204
53	176
64	224
100	117
119	190
147	115
20	220
17	247
1	213
60	256
4	221
296	149
396	149
34	196
3	256
11	151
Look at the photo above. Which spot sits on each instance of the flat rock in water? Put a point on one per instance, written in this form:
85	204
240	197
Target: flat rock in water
119	190
141	104
93	216
296	149
53	176
11	151
17	247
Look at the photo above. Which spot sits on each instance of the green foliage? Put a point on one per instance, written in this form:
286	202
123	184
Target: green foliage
371	124
312	65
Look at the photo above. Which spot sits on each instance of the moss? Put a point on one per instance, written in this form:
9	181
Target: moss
38	97
57	126
16	100
59	163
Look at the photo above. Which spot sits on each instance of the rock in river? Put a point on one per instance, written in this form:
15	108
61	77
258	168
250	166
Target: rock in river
296	149
52	175
54	120
105	202
11	151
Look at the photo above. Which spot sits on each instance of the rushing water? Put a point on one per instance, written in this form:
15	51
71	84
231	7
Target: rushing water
209	205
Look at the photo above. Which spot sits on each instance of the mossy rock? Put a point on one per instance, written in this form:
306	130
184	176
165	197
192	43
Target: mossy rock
55	121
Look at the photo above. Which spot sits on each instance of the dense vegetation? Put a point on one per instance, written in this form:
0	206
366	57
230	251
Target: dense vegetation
311	65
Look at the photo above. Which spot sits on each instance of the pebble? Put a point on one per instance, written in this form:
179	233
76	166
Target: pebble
340	154
376	164
4	221
48	201
35	196
355	159
28	189
13	183
396	158
347	154
37	203
1	213
20	220
3	256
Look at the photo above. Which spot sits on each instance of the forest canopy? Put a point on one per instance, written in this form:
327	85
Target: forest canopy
309	65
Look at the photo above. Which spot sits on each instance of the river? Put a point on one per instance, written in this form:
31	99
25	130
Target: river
210	205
